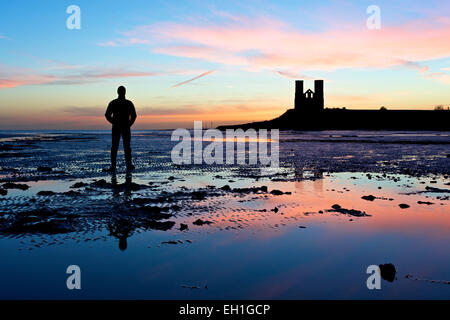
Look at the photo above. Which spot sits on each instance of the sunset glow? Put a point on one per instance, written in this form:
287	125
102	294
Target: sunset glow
219	63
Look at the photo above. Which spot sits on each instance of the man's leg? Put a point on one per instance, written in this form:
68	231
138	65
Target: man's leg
126	138
115	134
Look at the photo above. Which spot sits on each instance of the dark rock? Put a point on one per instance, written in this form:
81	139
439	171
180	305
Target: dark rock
130	186
200	222
198	195
38	221
46	193
71	193
100	183
368	198
44	169
351	212
183	227
262	189
425	202
170	242
431	189
142	201
387	271
79	185
3	192
403	206
12	185
226	188
276	192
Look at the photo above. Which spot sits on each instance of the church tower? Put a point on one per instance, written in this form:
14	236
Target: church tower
309	101
318	95
299	96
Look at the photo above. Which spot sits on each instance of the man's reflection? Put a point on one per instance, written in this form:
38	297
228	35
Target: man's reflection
122	227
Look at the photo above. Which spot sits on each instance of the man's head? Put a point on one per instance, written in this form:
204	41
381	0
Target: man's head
121	91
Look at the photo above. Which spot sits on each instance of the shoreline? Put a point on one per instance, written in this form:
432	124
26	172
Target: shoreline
348	119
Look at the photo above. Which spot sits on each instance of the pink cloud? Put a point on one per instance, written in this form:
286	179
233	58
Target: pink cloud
439	76
11	77
108	44
14	77
257	44
293	75
61	73
123	42
415	66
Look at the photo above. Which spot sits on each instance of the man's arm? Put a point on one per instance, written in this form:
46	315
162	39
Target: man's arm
133	115
108	114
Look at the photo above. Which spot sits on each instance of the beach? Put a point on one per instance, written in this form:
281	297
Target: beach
339	202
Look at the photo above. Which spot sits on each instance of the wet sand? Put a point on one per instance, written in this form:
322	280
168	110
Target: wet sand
339	202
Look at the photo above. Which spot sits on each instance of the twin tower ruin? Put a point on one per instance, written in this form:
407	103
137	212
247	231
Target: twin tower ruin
309	101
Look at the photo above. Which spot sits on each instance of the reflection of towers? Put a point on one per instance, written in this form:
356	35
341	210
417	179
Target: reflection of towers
309	101
300	179
318	182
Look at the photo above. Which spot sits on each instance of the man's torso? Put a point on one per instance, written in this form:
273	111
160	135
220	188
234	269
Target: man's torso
121	111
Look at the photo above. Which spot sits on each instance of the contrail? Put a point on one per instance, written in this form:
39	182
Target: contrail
195	78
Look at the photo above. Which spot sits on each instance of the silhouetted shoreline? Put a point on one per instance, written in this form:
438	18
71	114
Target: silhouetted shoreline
309	114
344	119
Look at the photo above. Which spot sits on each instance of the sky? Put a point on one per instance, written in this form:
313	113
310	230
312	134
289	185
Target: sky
222	62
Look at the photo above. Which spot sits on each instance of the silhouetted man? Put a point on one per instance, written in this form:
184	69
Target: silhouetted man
121	114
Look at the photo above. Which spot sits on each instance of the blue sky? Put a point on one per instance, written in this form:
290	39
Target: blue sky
249	52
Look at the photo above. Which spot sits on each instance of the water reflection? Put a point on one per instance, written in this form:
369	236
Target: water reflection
126	187
121	227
